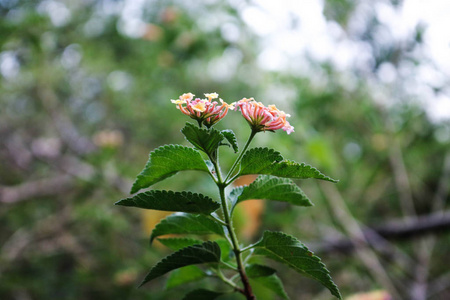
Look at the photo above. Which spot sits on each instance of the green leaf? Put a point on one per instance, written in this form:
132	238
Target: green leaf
272	283
166	161
267	278
255	271
271	188
172	201
208	252
181	223
290	251
292	169
231	138
256	160
184	275
270	162
225	249
206	140
179	243
202	294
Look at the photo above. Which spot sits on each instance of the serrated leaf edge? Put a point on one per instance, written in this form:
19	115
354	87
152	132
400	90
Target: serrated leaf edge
230	136
176	253
135	188
320	175
152	237
161	240
185	194
308	166
280	180
312	257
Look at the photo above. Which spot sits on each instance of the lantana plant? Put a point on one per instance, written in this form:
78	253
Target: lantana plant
224	257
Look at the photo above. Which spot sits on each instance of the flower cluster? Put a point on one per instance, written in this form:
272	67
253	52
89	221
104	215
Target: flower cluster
209	112
205	111
262	118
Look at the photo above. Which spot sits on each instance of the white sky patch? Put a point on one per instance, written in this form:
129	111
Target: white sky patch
290	31
438	108
230	32
436	16
261	22
222	68
131	22
9	65
119	80
71	56
57	11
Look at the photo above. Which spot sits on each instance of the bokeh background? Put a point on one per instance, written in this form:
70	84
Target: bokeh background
84	97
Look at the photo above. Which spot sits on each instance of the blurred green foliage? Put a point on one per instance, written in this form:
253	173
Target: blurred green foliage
83	102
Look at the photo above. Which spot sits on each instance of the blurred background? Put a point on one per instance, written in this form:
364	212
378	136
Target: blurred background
85	95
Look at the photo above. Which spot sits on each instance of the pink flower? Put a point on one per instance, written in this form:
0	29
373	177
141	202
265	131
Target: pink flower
263	118
205	111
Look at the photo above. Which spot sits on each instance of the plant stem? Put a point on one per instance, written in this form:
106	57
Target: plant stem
234	243
229	266
238	160
247	248
218	220
229	282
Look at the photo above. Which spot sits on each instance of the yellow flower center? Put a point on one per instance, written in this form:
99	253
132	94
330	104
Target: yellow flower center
200	106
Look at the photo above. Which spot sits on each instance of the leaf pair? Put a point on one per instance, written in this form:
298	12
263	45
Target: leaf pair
168	160
274	245
183	262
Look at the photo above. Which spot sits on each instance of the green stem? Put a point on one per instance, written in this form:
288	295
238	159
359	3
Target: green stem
229	282
213	178
238	160
247	248
232	278
218	220
229	266
234	242
233	178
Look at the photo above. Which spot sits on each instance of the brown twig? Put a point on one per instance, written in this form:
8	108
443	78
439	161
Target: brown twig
394	229
38	188
351	226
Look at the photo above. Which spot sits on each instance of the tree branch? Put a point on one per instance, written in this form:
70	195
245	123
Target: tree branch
32	189
396	229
